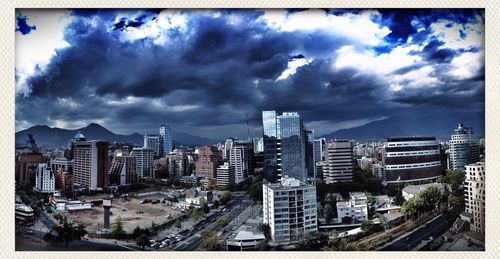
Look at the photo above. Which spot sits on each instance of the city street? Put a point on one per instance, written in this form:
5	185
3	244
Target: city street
434	228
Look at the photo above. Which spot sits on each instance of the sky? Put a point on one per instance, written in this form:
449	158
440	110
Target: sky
206	71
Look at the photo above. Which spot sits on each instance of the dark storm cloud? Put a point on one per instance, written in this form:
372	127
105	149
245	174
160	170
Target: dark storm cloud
218	73
22	24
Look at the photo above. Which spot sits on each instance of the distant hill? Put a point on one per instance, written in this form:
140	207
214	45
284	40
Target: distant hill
57	137
440	127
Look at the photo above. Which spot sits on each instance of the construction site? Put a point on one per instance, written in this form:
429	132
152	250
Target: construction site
133	212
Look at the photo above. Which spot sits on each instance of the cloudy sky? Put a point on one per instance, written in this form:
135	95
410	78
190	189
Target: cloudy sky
205	71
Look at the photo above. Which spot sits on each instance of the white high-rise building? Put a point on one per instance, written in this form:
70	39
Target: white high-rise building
464	148
144	161
239	158
225	175
474	190
339	162
290	210
45	181
152	142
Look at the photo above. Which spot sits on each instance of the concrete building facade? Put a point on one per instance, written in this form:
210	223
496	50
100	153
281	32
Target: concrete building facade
339	162
290	209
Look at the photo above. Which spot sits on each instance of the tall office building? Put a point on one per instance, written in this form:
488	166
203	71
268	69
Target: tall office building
26	167
240	157
152	142
285	144
319	149
474	190
227	148
225	175
338	162
165	140
144	162
123	170
45	180
310	155
209	158
411	159
464	148
178	164
290	209
258	145
90	163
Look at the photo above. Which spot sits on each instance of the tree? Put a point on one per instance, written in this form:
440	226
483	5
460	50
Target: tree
142	241
399	199
216	204
194	214
210	241
222	221
266	230
367	226
137	232
154	227
65	233
328	213
205	208
225	197
117	230
178	223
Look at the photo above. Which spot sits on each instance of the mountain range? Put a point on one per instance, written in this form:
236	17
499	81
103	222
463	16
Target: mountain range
56	137
436	126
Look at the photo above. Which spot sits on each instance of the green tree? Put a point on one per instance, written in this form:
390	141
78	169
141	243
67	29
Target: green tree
194	214
266	230
205	208
117	230
65	233
410	208
399	199
367	226
142	241
222	221
210	241
178	223
328	213
216	204
225	197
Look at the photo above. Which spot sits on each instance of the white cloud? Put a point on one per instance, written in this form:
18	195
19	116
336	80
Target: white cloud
156	29
358	27
466	65
449	32
414	79
369	62
292	67
40	45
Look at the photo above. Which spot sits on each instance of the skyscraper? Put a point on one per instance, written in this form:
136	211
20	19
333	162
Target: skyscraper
270	138
339	162
209	158
152	142
464	148
165	139
319	149
90	163
123	170
285	144
144	162
240	157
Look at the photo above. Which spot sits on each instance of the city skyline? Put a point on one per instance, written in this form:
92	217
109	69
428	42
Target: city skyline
132	69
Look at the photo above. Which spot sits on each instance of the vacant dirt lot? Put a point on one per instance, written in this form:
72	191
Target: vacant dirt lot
128	211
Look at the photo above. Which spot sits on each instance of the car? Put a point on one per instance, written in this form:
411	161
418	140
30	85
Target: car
424	225
28	231
219	234
153	244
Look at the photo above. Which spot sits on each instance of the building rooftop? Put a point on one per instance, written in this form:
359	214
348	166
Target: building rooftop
357	195
414	189
410	138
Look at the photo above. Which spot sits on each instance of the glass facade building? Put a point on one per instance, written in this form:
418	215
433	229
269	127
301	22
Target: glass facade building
165	140
288	146
464	148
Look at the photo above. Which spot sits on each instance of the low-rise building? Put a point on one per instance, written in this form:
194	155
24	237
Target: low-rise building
356	207
411	191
